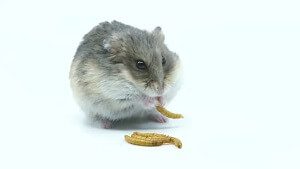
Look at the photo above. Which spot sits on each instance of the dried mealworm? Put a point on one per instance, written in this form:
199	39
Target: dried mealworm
142	142
149	134
157	137
167	113
176	142
153	138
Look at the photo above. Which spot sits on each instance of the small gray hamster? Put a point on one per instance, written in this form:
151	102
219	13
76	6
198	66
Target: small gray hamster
120	71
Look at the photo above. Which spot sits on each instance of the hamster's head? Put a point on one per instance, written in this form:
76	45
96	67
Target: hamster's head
146	61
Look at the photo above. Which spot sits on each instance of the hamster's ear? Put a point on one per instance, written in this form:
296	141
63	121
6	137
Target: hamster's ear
157	33
113	44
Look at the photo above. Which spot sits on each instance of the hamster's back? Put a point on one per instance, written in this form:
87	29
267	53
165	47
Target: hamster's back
93	41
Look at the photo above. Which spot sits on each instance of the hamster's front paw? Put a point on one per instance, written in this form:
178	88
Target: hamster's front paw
161	100
149	102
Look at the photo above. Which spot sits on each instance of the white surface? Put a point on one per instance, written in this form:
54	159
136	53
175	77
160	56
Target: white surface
240	96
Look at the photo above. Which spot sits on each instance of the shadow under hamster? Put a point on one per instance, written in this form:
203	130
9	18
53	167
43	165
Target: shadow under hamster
131	124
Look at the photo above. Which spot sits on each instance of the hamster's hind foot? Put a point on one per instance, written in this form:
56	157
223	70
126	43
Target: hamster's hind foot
158	118
106	124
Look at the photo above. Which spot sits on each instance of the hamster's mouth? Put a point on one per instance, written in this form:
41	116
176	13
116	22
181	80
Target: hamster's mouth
151	102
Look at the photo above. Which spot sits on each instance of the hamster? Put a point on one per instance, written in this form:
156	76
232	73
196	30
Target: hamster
120	72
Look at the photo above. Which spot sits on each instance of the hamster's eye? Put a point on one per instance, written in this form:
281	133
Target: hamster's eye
163	60
141	64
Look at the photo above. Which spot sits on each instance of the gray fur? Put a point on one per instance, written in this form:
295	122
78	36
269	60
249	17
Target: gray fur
111	50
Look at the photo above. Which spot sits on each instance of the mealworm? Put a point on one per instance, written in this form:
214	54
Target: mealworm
167	113
152	139
176	142
149	134
142	142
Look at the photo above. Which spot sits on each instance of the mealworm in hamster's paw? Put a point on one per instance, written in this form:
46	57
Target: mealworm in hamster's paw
167	113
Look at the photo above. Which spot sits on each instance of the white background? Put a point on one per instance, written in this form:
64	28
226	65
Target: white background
240	96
